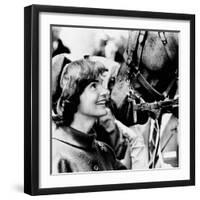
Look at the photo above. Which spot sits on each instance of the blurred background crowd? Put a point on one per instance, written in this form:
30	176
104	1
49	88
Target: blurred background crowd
77	42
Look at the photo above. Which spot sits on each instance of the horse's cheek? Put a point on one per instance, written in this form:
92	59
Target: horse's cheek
119	93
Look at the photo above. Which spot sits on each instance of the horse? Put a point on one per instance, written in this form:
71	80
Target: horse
148	75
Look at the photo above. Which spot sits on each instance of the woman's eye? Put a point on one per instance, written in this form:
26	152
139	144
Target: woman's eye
94	85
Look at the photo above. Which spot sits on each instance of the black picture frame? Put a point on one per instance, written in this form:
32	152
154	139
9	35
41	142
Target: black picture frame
31	98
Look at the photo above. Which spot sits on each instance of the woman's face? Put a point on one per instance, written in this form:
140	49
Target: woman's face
93	99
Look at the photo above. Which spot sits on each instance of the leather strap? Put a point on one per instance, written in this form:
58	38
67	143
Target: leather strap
132	47
148	87
165	44
141	42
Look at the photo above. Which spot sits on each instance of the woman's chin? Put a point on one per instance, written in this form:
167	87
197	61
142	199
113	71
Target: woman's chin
102	112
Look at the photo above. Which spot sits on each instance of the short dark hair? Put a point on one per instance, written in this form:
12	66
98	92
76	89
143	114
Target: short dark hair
76	76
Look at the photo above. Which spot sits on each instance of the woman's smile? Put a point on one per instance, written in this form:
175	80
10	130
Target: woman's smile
101	102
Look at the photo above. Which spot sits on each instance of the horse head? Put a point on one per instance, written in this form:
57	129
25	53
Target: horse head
150	69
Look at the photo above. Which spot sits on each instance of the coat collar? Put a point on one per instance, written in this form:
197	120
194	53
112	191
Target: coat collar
75	138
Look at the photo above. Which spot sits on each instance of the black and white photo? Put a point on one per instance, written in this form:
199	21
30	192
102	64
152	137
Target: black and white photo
114	90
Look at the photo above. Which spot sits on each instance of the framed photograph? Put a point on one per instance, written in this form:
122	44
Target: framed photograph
109	99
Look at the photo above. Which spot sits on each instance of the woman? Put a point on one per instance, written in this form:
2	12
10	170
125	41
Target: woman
82	102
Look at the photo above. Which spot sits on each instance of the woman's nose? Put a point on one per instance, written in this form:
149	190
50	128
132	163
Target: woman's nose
104	91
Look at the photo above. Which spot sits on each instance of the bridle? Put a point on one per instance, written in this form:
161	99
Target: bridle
133	58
